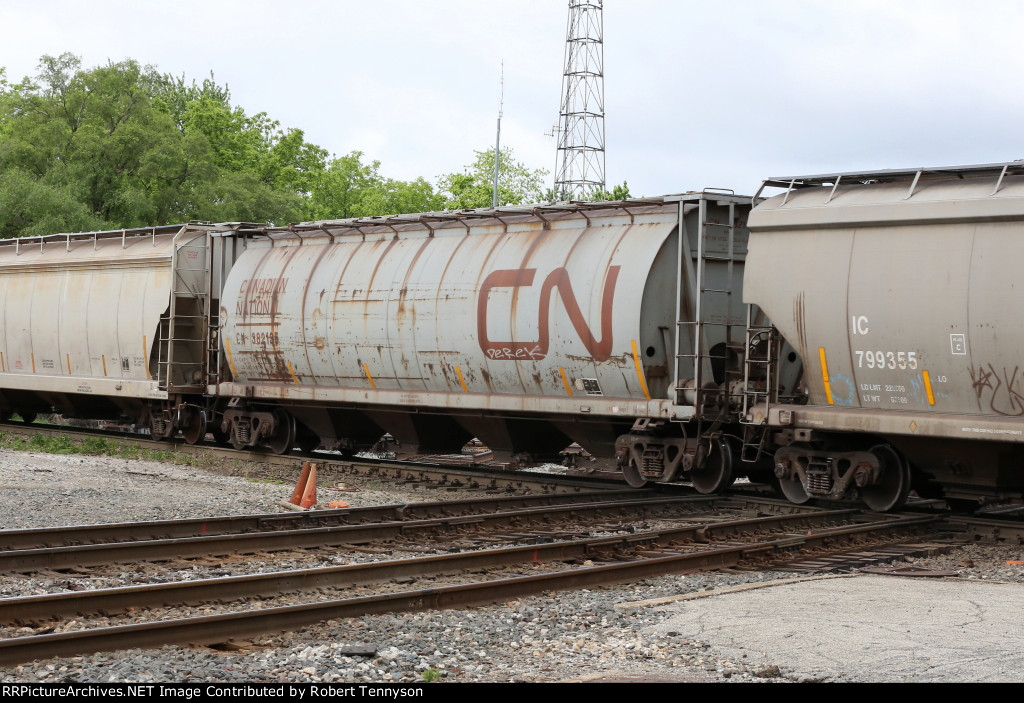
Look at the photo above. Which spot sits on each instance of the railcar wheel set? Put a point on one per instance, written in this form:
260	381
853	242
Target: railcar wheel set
854	336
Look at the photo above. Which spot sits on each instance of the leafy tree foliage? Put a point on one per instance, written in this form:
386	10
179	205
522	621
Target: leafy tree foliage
474	187
619	192
31	207
123	145
350	188
94	136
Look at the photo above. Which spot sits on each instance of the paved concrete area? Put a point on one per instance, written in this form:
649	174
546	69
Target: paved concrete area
865	628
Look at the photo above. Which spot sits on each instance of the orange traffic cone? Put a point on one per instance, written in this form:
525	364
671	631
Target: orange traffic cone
300	486
309	492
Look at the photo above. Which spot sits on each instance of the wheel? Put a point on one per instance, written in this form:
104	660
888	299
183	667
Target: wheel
194	428
716	474
282	441
632	474
27	417
890	493
793	490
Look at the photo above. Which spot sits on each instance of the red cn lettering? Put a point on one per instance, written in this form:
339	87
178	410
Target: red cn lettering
559	278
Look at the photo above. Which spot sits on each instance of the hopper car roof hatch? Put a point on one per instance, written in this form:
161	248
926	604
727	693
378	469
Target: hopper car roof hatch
913	176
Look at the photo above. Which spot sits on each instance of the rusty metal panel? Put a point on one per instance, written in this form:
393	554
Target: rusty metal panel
263	314
925	423
898	296
316	318
388	311
452	361
530	307
358	316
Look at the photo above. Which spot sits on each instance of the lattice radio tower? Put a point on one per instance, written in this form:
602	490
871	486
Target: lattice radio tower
579	165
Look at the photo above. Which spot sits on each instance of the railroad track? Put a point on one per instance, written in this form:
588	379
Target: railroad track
420	526
430	471
714	541
238	524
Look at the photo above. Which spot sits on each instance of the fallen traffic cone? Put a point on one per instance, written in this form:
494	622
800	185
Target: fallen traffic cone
309	493
300	486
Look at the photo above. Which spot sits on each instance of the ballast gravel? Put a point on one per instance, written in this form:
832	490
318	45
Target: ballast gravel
607	634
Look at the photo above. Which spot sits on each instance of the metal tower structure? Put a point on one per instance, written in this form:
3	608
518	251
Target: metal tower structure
579	165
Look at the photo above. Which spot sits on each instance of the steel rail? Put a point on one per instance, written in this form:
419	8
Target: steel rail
989	529
23	560
35	538
218	628
457	473
120	599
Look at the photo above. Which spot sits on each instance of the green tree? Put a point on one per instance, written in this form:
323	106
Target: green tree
91	135
395	197
30	207
255	144
619	192
253	170
5	120
473	188
351	188
173	95
122	145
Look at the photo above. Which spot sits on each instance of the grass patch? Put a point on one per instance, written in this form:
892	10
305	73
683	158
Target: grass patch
92	446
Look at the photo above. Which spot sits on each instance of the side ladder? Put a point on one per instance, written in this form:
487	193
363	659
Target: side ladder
760	383
709	335
183	330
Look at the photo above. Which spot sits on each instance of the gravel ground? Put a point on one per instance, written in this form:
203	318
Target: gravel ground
609	633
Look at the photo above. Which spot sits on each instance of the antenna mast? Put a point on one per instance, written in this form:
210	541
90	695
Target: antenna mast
580	162
497	142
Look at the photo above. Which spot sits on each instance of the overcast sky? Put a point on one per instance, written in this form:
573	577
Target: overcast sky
698	94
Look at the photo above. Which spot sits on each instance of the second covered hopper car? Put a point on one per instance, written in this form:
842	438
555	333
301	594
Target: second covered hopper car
899	290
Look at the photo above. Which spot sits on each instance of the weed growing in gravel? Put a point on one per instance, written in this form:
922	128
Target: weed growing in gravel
51	445
265	480
431	675
93	446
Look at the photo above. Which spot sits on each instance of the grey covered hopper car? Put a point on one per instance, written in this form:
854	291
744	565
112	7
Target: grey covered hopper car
529	328
615	325
899	290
